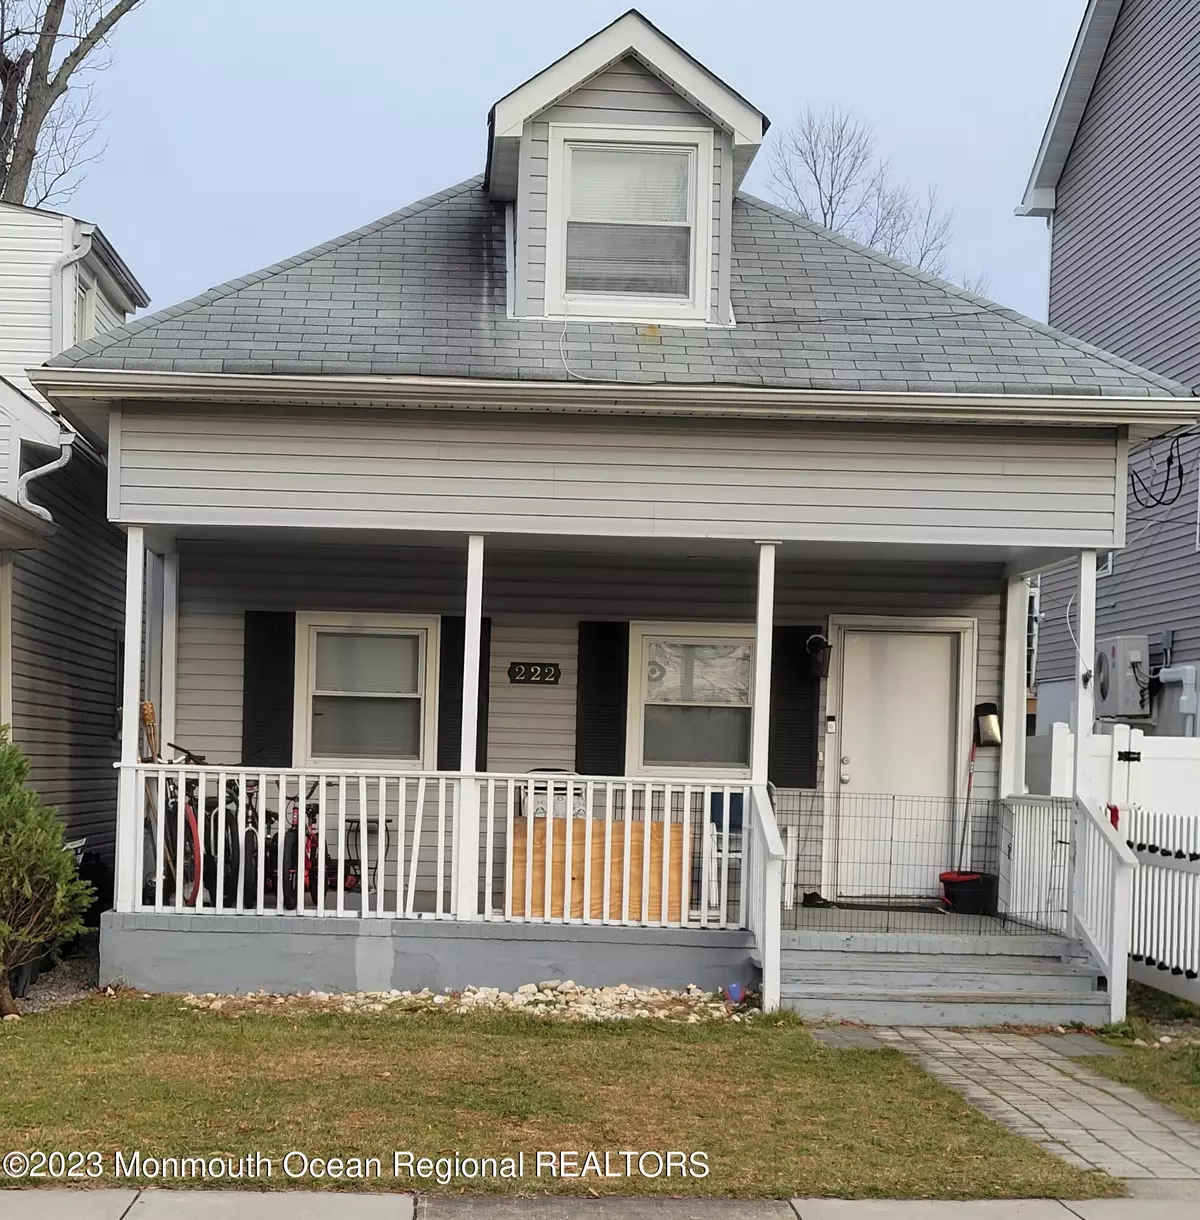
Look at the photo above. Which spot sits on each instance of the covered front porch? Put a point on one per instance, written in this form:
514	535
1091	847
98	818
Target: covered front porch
664	745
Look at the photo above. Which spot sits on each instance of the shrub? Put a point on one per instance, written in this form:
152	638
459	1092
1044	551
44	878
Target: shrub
42	899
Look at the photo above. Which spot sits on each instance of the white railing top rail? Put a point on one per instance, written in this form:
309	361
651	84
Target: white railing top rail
764	809
1103	824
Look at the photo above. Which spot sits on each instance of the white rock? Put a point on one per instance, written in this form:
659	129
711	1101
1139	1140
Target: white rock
1165	1040
527	989
12	1016
217	1004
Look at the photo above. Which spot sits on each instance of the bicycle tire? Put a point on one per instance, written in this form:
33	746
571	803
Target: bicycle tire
290	867
191	857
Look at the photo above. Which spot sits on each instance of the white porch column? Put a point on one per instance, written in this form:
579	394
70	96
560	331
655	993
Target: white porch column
764	625
129	828
466	866
1085	657
170	647
1012	725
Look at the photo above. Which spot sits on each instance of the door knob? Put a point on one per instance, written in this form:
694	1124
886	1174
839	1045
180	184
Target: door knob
845	779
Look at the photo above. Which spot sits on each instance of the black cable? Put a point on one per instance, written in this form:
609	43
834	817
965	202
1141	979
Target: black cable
1138	485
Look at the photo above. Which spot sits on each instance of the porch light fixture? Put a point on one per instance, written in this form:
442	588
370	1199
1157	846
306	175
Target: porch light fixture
818	648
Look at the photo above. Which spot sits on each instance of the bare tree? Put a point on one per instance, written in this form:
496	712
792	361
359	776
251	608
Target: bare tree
825	167
48	121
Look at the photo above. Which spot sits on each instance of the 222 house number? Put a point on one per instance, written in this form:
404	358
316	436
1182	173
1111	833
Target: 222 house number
537	673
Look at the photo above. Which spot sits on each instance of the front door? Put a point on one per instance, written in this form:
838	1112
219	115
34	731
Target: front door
896	762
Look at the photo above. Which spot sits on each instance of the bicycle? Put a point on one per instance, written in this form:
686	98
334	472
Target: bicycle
185	887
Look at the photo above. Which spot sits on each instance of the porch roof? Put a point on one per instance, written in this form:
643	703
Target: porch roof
422	292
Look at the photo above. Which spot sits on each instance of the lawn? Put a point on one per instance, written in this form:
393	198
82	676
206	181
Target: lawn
776	1113
1169	1072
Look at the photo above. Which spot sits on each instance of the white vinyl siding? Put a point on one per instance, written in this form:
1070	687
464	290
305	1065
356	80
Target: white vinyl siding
107	314
637	478
30	243
626	94
535	602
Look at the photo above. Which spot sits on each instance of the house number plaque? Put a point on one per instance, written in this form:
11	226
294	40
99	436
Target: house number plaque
535	673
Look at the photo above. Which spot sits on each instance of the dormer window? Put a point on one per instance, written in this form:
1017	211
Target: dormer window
628	223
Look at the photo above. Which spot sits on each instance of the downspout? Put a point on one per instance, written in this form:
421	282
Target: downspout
58	306
67	440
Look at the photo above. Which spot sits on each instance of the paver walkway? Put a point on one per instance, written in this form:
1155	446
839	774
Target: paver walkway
1030	1085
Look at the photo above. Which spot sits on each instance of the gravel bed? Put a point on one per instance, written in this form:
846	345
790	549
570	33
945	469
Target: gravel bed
554	998
71	980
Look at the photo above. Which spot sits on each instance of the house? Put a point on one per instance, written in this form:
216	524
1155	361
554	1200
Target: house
591	570
61	561
1117	180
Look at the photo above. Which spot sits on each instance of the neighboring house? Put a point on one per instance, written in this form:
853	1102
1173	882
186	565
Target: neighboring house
61	562
1118	179
524	536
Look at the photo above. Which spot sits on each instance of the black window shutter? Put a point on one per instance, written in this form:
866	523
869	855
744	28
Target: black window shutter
449	736
602	698
795	700
268	678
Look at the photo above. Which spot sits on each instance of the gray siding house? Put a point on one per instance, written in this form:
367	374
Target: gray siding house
1117	178
61	560
592	570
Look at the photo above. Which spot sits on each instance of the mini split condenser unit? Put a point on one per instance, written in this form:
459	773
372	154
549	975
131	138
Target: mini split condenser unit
1122	677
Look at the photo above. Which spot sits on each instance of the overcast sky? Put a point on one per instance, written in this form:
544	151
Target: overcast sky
244	131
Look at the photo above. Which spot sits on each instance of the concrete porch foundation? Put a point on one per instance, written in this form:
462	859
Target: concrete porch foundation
284	954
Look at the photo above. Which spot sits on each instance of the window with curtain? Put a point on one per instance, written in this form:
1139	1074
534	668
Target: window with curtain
696	702
629	220
365	694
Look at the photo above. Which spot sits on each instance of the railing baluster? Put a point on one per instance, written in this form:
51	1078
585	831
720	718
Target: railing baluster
201	823
508	852
549	868
364	847
647	835
626	863
685	862
261	880
160	818
589	793
240	836
568	844
418	816
606	881
489	848
441	848
664	908
401	826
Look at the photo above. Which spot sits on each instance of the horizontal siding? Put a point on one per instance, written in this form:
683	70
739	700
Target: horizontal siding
108	315
535	602
1125	267
627	94
68	609
1155	578
30	243
630	478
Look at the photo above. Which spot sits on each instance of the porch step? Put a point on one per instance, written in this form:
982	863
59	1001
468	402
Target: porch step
940	1008
938	972
883	979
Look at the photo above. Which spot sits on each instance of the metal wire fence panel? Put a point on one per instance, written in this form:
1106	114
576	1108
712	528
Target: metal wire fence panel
888	863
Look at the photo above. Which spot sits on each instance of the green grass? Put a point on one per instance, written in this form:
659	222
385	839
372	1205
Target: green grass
777	1113
1169	1073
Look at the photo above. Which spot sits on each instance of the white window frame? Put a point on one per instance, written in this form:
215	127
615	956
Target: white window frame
559	303
682	633
85	307
307	626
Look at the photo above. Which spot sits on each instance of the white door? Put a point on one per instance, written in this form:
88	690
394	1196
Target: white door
896	762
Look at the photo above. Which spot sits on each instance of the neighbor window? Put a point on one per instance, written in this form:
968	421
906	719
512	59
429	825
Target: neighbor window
628	221
694	700
85	308
363	688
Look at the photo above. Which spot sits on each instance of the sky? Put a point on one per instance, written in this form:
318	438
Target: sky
240	132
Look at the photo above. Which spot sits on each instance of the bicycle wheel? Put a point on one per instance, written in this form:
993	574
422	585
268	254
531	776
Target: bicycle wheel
191	858
291	861
250	882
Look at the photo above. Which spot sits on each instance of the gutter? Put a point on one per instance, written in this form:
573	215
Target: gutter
58	310
602	398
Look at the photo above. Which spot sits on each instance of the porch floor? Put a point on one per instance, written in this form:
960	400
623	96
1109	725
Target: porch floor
915	920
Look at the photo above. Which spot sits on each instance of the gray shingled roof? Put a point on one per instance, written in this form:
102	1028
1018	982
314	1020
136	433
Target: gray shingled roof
423	292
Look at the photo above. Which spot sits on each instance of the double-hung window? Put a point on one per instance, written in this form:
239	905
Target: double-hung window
693	698
364	690
628	222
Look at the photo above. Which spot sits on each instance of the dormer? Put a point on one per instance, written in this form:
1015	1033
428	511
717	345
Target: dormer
620	161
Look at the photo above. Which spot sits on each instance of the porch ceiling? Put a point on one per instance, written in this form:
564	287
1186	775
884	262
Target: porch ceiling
1014	559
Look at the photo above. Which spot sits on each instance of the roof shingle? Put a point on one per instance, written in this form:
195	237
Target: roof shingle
422	292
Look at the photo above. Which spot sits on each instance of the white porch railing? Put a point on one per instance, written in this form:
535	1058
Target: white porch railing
550	849
640	852
763	889
295	842
1166	895
1102	897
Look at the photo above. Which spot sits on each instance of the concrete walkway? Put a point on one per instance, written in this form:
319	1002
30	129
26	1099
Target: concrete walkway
1032	1085
300	1205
